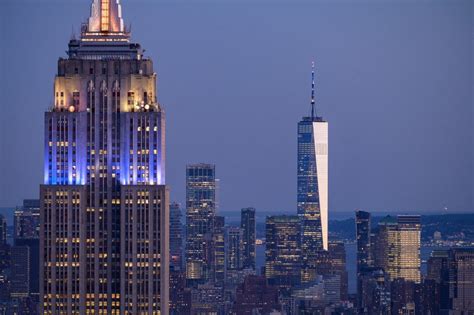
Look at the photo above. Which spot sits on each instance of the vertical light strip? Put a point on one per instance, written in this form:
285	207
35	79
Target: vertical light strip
104	15
320	133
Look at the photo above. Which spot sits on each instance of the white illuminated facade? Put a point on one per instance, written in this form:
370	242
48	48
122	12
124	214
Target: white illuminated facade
320	135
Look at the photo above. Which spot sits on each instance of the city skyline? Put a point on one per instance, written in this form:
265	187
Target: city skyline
282	98
106	235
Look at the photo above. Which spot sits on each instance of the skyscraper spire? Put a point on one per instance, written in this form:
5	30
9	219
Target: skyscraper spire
312	92
106	17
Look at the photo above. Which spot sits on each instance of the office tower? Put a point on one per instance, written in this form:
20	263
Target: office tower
207	299
397	247
364	251
403	295
248	226
218	251
180	296
3	230
26	220
176	236
4	246
438	271
461	279
256	296
374	292
363	240
104	237
283	251
312	187
20	272
234	248
26	234
200	212
409	239
337	256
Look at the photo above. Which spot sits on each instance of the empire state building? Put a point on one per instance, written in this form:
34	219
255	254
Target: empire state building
104	204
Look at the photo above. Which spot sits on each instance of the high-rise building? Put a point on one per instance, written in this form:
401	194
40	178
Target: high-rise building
312	186
234	248
397	247
255	296
3	230
200	213
26	220
4	246
20	272
26	223
283	251
104	237
337	256
248	226
408	247
364	252
363	240
461	279
176	236
218	251
438	271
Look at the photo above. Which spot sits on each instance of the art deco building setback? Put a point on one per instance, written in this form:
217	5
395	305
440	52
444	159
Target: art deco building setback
104	206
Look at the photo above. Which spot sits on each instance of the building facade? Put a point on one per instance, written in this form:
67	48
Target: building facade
283	251
234	248
176	237
312	187
200	213
104	237
248	226
364	253
397	247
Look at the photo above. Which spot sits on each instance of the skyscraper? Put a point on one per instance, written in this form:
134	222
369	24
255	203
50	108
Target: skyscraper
283	251
200	213
363	240
364	253
248	226
176	236
218	250
408	247
20	272
104	237
234	248
397	247
312	190
26	234
461	279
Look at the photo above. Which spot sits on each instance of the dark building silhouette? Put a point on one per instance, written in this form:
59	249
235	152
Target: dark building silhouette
255	296
26	233
176	237
461	280
218	251
248	226
234	248
283	251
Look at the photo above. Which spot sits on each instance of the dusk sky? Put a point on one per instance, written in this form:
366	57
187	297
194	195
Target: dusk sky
394	80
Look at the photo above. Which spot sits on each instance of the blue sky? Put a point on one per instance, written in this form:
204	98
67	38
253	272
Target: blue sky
394	80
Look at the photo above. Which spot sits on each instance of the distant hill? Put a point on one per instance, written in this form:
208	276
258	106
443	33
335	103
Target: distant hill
453	226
